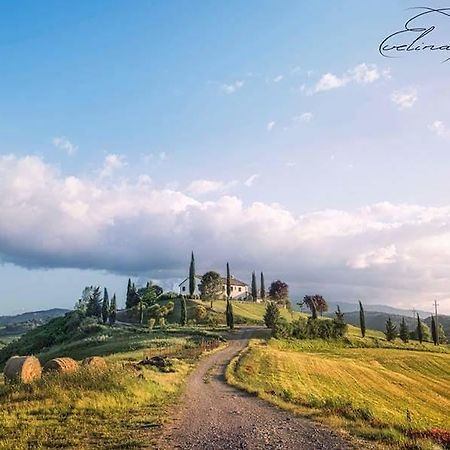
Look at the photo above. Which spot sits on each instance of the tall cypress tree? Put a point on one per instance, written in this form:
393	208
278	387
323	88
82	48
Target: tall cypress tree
128	304
362	320
230	315
391	330
227	312
113	310
183	315
263	287
419	329
228	282
192	275
254	287
105	306
434	334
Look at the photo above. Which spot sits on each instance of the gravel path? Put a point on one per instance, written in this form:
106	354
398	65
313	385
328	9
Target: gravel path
216	416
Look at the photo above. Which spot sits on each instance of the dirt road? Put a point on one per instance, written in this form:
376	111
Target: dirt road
216	416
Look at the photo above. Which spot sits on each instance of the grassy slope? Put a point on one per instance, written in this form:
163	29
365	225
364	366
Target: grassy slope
374	389
121	409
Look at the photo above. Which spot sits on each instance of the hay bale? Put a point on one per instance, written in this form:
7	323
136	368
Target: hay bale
22	369
62	365
95	363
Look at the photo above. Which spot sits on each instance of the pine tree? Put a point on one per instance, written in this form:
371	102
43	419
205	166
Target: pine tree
391	330
263	287
419	329
183	316
271	315
254	287
94	306
105	306
362	320
113	310
434	334
228	282
192	275
128	304
404	331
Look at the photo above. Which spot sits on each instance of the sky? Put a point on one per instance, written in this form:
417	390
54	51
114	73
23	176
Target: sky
272	135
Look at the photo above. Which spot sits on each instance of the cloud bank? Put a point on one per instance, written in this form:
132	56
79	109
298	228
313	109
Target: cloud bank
394	253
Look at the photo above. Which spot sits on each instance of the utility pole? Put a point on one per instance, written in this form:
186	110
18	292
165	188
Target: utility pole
436	304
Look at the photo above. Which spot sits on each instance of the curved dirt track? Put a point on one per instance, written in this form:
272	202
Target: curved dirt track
216	416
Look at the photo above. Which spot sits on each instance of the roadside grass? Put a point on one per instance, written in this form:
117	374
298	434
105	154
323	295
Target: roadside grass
375	391
118	409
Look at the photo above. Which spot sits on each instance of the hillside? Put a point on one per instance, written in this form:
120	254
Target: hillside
38	316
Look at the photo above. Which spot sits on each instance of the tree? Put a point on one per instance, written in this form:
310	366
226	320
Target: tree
94	306
113	310
200	313
183	314
228	282
434	334
442	335
316	302
129	299
159	313
83	301
263	287
362	320
339	327
404	332
192	275
254	287
272	315
210	286
105	306
230	314
391	330
279	292
419	329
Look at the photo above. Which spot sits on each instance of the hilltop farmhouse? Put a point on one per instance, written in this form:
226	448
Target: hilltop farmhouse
239	289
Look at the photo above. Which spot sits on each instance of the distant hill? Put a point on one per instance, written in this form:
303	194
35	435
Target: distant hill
350	307
35	316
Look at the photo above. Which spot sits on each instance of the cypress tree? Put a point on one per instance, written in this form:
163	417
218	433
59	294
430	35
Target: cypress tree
419	329
113	310
183	316
105	306
227	312
434	334
228	282
271	315
230	315
391	330
362	320
128	304
192	275
404	332
254	287
263	287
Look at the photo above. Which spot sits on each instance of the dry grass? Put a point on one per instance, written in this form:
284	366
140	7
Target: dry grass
375	393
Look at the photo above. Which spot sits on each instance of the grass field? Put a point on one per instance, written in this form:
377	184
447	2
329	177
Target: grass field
119	409
380	394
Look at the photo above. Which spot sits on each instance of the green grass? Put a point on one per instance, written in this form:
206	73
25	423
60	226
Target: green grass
119	409
373	389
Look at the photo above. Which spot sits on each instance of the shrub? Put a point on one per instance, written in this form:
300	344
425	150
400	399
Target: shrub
282	329
271	315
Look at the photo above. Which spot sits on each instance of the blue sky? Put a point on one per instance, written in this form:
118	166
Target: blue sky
270	134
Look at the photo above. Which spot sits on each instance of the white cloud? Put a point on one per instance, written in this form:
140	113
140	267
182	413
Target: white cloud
306	117
250	181
233	87
270	125
202	187
112	163
62	143
278	78
440	129
360	74
389	253
405	98
377	257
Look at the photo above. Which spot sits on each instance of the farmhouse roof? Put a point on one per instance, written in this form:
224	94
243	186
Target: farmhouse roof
234	281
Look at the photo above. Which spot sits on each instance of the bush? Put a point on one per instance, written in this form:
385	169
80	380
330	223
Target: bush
282	329
272	315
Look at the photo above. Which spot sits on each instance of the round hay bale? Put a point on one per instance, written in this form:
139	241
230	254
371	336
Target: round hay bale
22	369
95	363
61	365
